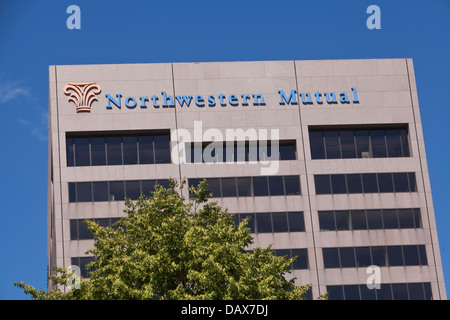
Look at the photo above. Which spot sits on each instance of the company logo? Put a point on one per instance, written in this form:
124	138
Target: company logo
82	94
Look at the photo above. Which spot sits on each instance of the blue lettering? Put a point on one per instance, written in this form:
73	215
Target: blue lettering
287	100
245	97
332	99
258	99
211	101
167	98
344	98
318	94
143	100
184	99
199	101
308	95
132	105
154	100
232	99
221	97
117	103
355	95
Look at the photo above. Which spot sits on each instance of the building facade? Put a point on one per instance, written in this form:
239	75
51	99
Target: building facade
327	158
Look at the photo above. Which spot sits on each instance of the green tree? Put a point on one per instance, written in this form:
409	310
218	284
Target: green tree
167	247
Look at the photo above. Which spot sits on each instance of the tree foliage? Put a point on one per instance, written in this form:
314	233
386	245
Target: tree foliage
167	247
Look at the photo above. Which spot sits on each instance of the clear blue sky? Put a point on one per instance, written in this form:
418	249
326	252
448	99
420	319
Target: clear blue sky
33	35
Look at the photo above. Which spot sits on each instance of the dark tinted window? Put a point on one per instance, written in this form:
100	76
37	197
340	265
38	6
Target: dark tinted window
130	154
70	152
395	256
84	191
354	183
342	220
263	222
401	182
146	154
348	146
116	191
358	218
378	256
133	189
370	184
327	220
338	183
148	186
260	187
363	258
322	183
332	147
100	190
214	186
302	259
330	257
82	152
347	257
390	219
358	143
280	222
229	187
374	219
287	151
317	145
98	151
114	149
378	144
162	149
251	221
296	221
276	187
244	185
385	182
292	185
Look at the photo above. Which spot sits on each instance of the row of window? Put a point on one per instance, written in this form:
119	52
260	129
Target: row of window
365	183
79	230
117	150
151	148
359	143
347	257
370	219
389	256
112	190
243	151
300	263
266	222
251	186
293	221
387	291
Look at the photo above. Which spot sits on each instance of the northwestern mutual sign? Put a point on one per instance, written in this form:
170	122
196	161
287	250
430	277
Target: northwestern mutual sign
292	98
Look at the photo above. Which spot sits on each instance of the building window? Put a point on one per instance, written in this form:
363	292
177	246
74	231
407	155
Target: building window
82	262
275	222
251	186
365	183
300	263
127	149
370	219
79	230
226	151
382	256
359	143
387	291
112	190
